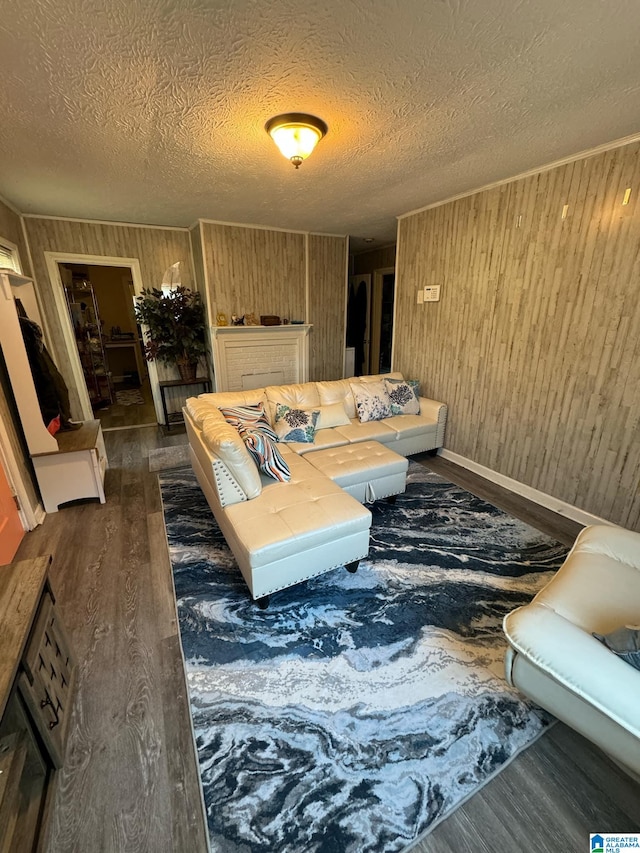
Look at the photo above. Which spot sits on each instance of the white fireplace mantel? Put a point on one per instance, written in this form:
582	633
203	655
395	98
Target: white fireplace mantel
246	357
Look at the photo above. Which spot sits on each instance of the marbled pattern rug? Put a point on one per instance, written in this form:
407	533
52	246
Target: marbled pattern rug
358	709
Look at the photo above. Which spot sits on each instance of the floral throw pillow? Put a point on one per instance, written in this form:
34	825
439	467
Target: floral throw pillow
296	424
248	417
402	397
372	401
266	455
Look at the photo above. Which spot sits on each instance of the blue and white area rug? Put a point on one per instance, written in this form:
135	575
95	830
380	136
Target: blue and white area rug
357	710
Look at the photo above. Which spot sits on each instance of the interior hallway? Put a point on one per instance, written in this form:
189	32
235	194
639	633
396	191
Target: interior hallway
130	780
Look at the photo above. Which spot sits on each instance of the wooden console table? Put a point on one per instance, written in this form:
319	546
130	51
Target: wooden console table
174	418
37	676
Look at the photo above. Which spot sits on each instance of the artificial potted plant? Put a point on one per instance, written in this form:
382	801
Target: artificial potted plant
175	332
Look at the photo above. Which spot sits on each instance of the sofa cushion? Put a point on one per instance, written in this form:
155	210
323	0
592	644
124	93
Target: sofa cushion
323	438
224	440
403	398
199	409
290	518
254	397
332	415
338	391
407	426
266	455
372	401
303	395
295	424
371	431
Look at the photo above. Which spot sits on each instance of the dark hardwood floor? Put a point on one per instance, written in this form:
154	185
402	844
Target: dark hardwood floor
130	781
120	416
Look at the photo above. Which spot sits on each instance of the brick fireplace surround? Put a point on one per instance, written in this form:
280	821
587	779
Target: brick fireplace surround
246	357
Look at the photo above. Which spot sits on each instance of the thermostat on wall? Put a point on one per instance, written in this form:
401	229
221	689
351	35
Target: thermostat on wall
432	293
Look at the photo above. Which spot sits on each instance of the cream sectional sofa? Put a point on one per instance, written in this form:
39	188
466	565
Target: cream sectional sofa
282	533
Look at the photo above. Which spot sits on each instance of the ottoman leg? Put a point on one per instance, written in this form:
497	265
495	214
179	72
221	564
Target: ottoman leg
263	602
392	499
352	567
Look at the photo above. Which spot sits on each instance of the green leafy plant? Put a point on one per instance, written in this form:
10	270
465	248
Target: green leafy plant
175	322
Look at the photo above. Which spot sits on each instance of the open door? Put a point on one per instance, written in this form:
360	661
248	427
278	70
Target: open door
11	530
358	321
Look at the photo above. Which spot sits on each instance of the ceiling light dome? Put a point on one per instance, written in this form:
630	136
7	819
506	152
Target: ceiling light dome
296	134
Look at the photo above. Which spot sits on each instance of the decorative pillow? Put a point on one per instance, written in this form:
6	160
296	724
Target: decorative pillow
267	456
372	401
296	424
624	642
402	397
248	417
332	416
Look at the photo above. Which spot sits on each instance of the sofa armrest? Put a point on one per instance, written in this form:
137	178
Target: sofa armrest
434	411
578	661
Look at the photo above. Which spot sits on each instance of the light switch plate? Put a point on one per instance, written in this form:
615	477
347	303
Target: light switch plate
420	297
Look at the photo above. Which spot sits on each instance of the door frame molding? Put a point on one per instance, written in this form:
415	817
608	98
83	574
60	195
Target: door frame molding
52	259
29	516
376	313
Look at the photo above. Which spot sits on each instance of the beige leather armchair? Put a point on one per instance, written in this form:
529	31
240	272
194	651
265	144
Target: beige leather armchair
554	659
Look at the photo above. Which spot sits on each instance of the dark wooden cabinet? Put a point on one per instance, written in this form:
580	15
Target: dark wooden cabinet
36	691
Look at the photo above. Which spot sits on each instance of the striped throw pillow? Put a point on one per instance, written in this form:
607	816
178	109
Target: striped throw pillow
248	417
267	456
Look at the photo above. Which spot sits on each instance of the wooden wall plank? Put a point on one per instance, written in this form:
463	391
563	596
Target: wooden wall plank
327	293
155	248
375	259
535	342
11	229
254	270
259	271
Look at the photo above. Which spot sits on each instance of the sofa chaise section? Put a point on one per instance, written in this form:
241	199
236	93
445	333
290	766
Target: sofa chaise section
282	533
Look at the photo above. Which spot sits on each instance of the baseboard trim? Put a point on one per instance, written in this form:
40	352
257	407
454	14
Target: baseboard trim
541	498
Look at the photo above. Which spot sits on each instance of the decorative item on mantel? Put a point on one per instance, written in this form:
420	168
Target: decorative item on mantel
251	320
269	320
175	327
221	319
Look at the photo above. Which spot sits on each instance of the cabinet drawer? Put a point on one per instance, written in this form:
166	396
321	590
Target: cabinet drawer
46	680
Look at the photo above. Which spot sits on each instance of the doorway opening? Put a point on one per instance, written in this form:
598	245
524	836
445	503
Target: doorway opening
370	322
100	303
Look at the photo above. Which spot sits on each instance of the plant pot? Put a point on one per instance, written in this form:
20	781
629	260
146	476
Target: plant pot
188	370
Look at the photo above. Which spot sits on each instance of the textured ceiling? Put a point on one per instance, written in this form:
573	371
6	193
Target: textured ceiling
152	111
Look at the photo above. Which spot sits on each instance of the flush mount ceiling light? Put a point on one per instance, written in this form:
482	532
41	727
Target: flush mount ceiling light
296	134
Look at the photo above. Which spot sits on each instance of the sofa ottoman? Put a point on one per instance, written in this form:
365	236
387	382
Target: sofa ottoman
368	470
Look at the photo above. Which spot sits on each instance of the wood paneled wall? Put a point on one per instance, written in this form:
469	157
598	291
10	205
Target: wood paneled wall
11	229
535	344
327	300
376	259
155	248
260	271
254	271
